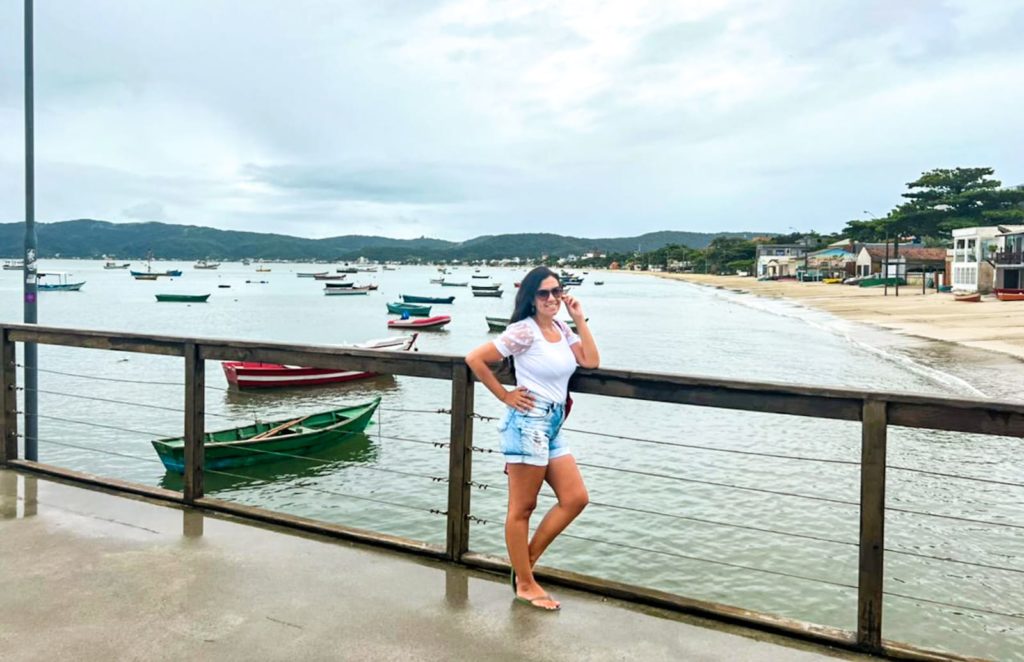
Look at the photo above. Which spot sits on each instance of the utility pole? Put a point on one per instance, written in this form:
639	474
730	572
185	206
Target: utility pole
30	271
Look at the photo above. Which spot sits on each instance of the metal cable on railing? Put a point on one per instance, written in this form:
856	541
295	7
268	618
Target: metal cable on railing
706	560
717	484
148	433
311	488
980	610
435	444
103	451
178	410
148	382
955	476
955	518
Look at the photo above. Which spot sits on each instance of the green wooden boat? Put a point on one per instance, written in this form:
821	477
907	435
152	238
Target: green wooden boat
414	310
266	442
410	298
499	323
190	298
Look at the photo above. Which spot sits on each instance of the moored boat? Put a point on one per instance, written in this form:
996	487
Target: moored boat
414	310
311	274
328	276
245	374
500	323
451	283
496	286
434	322
346	290
487	293
203	264
481	276
598	282
411	298
62	284
182	298
14	265
265	442
346	285
146	276
116	265
1010	295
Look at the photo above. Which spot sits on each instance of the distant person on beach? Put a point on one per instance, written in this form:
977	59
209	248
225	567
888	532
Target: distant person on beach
542	352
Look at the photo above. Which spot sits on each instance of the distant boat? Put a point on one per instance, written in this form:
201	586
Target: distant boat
146	276
265	442
346	290
203	264
496	286
480	276
345	284
244	374
183	298
387	268
263	269
62	284
598	282
487	293
437	281
14	265
170	273
449	283
420	322
347	270
311	274
410	298
500	323
246	262
115	265
327	276
413	309
973	297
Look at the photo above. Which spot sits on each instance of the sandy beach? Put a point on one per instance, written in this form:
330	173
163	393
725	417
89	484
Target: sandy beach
992	325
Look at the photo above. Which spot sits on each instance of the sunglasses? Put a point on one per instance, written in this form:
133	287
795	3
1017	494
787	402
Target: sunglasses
556	292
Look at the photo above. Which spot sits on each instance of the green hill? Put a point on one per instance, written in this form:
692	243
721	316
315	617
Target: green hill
87	238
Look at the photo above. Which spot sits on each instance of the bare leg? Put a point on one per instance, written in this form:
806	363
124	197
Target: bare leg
564	478
524	483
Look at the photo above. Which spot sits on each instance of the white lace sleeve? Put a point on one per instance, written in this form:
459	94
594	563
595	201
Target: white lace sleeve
569	334
515	339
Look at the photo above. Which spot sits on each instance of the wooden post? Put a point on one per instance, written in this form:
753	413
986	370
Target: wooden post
872	526
460	462
8	400
195	430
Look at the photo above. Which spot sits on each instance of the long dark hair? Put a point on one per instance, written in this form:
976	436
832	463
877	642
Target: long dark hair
524	306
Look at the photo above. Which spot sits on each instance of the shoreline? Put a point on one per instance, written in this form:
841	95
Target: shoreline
991	325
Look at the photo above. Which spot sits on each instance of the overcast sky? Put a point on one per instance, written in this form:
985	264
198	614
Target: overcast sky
454	119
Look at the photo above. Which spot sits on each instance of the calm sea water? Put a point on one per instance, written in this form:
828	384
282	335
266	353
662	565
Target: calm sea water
672	508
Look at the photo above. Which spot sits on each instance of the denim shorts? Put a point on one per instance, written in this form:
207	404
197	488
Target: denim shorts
533	437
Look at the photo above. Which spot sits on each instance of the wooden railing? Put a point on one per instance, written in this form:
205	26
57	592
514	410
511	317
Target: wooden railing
876	411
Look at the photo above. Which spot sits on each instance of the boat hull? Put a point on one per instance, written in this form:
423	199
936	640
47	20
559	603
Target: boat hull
61	287
968	298
499	324
182	298
487	293
435	322
414	310
246	374
409	298
234	447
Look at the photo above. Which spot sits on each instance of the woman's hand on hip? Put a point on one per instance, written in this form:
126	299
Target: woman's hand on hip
519	399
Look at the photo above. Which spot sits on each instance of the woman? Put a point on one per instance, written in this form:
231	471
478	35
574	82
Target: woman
543	353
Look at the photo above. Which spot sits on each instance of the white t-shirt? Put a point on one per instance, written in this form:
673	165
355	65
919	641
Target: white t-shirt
542	366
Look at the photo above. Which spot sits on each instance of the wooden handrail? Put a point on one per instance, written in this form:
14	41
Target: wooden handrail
875	410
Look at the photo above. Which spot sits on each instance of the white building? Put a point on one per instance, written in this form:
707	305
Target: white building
972	271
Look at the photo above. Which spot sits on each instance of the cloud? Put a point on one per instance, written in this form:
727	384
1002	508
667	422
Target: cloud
467	117
145	211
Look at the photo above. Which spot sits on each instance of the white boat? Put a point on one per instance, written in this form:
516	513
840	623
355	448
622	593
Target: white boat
116	265
14	265
203	264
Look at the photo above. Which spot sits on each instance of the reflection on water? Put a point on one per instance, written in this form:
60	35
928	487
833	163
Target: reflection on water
244	403
10	495
353	449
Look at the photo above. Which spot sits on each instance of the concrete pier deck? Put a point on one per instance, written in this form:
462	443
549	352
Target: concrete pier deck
88	575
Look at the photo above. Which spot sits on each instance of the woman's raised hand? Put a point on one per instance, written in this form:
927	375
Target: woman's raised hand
519	398
573	306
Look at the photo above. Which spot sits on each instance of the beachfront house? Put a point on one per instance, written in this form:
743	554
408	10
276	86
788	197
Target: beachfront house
872	260
778	260
972	252
837	260
1008	258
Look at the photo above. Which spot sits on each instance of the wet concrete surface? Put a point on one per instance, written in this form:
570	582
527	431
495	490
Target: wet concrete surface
88	575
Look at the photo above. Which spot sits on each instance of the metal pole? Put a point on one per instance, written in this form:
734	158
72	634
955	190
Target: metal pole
896	256
885	267
31	352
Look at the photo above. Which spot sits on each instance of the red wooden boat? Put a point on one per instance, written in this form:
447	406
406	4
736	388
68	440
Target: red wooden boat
434	322
1010	295
244	374
973	297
